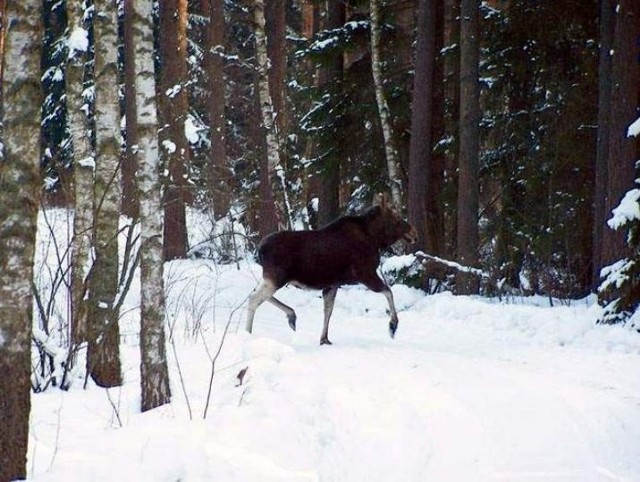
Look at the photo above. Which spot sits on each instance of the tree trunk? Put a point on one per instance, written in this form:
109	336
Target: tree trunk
219	172
275	23
173	107
421	144
391	155
19	188
451	79
468	189
275	170
3	29
103	357
607	12
625	84
83	171
154	375
130	202
332	73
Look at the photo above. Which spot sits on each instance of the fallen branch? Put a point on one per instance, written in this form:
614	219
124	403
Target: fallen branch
422	256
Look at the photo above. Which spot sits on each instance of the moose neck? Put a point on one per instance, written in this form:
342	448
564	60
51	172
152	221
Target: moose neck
377	228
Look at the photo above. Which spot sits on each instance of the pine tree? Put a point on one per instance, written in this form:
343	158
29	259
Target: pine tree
421	146
173	105
331	76
468	182
219	174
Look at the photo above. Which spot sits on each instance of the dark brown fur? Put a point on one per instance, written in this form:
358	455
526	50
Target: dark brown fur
346	251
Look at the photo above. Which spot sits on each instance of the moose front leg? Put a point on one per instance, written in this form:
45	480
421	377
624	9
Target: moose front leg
374	283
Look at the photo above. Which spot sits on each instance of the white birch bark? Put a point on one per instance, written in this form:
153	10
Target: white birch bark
391	157
154	375
276	171
19	188
83	164
103	360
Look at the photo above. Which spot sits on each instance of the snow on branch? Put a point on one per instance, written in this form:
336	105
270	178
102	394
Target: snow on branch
627	211
634	128
451	264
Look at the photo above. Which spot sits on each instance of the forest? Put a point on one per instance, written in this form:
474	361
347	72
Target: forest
507	132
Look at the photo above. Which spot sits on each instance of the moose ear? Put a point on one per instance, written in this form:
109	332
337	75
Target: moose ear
381	199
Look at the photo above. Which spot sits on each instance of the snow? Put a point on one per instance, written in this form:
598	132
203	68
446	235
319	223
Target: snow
169	146
78	41
469	389
191	130
88	162
634	128
627	211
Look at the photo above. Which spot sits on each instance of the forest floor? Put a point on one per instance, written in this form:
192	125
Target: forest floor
471	389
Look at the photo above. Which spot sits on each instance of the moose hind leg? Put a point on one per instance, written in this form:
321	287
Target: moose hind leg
329	298
291	315
263	292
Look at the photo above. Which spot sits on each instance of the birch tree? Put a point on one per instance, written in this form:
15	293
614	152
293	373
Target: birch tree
275	171
83	162
103	356
154	375
19	185
391	155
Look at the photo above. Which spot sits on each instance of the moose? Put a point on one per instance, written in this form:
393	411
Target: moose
344	252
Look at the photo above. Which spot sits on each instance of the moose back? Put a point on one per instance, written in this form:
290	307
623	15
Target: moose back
344	252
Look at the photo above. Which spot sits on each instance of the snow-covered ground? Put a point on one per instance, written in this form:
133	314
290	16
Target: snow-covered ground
469	390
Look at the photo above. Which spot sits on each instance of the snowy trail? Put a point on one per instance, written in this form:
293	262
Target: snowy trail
420	415
470	390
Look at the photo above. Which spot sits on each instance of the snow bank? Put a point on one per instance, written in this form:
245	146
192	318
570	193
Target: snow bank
470	389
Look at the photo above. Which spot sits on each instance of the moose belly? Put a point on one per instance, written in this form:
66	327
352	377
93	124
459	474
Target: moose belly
321	282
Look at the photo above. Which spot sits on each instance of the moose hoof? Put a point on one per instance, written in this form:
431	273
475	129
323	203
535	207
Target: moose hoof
292	321
393	326
325	341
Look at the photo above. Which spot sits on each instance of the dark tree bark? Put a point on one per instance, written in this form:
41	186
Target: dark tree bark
219	172
172	112
19	188
607	8
625	86
130	202
451	80
468	188
3	21
329	188
420	147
